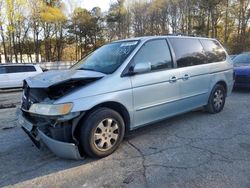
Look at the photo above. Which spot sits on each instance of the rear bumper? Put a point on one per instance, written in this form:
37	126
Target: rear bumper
59	148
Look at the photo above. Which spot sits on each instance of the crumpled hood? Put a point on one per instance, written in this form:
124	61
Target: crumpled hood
50	78
242	70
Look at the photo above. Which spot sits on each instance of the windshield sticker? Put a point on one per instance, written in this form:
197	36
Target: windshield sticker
124	51
129	43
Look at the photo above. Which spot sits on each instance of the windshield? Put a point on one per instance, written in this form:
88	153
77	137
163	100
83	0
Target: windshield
107	58
242	59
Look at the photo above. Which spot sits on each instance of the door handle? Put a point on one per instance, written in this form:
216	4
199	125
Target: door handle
173	79
185	77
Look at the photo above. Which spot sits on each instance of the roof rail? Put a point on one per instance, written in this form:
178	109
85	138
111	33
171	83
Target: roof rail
17	63
183	34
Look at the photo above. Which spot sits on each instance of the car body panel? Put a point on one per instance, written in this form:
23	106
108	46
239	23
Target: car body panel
222	72
53	77
242	76
153	97
242	70
194	90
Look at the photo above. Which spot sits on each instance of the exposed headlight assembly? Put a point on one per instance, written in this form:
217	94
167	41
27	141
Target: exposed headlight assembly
51	109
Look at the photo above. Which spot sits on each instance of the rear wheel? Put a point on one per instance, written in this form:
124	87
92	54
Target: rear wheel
102	132
216	100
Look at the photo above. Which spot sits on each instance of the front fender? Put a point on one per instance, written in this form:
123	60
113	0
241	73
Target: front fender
124	97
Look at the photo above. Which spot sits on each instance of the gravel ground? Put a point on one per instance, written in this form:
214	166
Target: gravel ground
195	149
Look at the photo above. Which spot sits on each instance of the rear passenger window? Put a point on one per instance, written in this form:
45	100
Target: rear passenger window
188	52
214	51
157	53
2	70
19	69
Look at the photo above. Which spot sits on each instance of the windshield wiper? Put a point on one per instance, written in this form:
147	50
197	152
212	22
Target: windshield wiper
89	69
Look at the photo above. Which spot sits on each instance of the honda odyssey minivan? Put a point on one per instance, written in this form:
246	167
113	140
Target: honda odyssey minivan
122	86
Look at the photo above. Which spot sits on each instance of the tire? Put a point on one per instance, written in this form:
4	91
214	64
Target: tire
216	100
101	132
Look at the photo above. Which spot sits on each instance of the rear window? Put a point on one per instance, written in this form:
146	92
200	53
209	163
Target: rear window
214	51
242	59
18	69
188	52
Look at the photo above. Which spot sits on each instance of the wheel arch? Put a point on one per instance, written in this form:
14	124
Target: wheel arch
116	106
224	84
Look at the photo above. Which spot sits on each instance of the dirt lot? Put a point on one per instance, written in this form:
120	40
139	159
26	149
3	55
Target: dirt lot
192	150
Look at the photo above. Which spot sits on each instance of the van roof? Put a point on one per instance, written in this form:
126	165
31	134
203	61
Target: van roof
144	38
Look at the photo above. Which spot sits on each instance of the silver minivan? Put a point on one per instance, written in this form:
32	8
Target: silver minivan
122	86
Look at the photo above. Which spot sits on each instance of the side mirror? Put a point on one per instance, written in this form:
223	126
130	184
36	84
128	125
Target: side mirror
142	67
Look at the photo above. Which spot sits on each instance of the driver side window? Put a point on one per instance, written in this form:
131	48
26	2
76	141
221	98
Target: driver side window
155	52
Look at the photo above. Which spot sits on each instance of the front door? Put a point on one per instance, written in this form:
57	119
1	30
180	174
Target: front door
156	94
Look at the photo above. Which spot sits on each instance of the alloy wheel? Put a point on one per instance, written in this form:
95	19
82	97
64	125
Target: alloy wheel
218	99
106	134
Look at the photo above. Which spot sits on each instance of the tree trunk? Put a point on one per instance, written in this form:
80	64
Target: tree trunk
4	45
14	47
76	43
226	25
212	22
36	43
10	47
60	45
31	58
20	49
208	23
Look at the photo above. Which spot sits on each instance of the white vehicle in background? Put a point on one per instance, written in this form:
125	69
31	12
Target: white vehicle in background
12	75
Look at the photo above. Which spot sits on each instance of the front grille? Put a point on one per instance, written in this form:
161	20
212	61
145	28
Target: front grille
242	79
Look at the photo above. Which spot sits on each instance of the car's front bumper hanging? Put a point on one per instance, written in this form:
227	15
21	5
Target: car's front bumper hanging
61	149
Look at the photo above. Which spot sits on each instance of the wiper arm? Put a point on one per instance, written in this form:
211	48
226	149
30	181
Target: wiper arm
87	69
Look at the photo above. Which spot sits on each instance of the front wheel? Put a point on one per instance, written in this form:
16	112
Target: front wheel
102	132
216	100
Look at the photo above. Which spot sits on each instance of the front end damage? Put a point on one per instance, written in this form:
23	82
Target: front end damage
56	131
58	136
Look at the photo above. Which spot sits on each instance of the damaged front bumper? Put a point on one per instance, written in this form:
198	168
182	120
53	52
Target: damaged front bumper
62	149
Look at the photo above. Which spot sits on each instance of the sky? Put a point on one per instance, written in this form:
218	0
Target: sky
103	4
88	4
